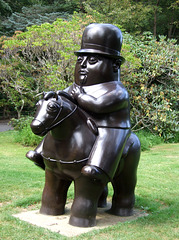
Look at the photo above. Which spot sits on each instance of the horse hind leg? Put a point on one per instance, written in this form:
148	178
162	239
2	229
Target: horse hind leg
102	202
54	194
124	183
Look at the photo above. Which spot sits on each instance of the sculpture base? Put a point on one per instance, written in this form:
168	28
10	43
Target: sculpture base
61	224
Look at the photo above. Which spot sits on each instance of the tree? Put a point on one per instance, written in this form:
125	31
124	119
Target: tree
5	9
157	16
34	15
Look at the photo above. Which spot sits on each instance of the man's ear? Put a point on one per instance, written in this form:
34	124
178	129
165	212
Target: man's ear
116	65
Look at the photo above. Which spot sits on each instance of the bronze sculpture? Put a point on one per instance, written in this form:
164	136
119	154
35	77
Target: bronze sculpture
89	140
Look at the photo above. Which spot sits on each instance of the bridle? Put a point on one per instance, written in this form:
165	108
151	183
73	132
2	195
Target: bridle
60	104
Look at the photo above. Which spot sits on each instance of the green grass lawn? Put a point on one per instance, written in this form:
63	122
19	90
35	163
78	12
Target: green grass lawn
157	192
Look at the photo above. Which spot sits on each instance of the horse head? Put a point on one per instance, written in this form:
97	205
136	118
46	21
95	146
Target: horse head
51	112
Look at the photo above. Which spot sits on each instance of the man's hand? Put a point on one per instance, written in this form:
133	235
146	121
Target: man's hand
76	92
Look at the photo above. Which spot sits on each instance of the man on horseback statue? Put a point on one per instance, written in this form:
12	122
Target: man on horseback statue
105	101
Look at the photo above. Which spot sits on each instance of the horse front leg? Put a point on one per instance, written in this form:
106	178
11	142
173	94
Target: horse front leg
54	194
84	208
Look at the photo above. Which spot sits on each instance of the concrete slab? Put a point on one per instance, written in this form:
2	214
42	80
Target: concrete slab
60	223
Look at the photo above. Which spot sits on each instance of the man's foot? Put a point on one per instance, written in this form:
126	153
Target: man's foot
36	158
95	173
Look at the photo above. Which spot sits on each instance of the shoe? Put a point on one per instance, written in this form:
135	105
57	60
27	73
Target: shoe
95	173
36	158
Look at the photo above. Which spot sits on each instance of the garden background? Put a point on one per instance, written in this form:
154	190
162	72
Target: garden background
37	41
39	37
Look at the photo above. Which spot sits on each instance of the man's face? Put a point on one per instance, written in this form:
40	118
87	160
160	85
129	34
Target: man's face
92	69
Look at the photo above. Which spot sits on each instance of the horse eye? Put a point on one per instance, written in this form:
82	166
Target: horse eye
52	107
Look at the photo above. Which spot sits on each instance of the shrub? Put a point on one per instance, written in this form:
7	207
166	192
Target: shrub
37	60
153	86
36	14
27	137
19	124
148	139
24	134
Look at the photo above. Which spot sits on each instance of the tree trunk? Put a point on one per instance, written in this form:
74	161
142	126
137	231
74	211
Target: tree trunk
170	28
155	19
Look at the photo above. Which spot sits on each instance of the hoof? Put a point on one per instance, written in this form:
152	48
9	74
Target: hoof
52	211
102	204
123	212
82	222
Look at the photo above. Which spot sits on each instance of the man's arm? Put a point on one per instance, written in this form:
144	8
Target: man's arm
110	102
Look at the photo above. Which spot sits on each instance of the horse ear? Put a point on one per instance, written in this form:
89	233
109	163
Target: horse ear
56	96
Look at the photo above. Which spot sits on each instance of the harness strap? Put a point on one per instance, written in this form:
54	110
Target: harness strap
64	162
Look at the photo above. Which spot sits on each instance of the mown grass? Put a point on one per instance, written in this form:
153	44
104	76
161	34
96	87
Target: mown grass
21	185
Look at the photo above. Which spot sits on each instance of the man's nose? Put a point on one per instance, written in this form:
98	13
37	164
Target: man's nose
84	62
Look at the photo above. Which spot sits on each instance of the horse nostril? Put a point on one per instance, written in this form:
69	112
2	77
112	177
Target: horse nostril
36	126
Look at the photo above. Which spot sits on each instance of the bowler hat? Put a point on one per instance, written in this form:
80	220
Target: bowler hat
105	39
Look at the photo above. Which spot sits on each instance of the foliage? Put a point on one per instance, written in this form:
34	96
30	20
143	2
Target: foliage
153	87
42	59
34	15
19	124
18	81
24	133
159	17
27	138
148	139
5	9
16	5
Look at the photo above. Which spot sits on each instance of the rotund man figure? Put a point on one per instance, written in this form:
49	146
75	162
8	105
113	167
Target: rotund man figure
99	92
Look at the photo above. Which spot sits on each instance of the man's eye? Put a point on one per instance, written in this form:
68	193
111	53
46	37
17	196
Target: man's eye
93	60
79	59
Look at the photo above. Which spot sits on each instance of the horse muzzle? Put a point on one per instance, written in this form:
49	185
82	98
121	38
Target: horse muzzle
38	128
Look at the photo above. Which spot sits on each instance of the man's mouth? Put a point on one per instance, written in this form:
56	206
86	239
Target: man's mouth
83	72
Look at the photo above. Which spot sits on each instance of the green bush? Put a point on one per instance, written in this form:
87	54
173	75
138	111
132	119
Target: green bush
24	134
153	86
27	137
19	124
148	139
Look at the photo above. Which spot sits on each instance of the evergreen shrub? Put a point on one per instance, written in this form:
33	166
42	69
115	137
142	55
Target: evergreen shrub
34	15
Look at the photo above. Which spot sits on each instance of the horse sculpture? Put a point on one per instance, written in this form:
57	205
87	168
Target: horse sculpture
70	135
